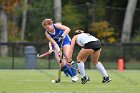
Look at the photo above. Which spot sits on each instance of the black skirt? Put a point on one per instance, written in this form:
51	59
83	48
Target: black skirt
95	45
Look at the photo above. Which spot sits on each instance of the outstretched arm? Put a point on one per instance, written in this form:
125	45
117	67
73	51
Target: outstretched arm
53	42
50	48
72	48
64	28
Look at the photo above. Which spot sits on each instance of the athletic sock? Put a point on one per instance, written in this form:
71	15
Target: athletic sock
101	69
68	70
65	72
81	67
73	69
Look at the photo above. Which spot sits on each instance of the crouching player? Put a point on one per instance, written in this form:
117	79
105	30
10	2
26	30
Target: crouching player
71	63
57	34
90	46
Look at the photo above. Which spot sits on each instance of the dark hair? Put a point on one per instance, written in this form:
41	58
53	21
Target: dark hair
78	32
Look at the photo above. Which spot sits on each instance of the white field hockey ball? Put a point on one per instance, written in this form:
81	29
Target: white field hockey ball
53	81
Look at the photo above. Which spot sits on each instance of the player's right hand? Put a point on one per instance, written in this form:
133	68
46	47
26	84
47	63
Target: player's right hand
60	39
50	51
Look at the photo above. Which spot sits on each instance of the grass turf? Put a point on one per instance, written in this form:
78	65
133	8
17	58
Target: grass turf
39	81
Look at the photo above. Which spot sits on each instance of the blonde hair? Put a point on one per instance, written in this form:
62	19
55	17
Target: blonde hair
46	20
79	32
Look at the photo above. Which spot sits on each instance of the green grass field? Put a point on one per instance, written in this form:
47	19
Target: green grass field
39	81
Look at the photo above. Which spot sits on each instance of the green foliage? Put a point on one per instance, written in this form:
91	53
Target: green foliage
71	17
18	10
100	13
108	54
9	5
76	14
103	31
11	8
82	1
39	10
136	37
13	32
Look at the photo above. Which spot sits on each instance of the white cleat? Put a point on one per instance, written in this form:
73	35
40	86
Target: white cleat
74	79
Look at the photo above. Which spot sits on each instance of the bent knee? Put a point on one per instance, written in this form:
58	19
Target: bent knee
79	59
95	62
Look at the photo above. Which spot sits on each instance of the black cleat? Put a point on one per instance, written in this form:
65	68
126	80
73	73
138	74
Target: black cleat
84	79
106	80
57	81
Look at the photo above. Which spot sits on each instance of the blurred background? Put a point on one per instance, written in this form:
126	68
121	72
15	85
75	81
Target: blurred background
115	22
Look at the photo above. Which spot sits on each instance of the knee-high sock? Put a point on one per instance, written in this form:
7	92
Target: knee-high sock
65	72
73	69
68	70
81	67
101	69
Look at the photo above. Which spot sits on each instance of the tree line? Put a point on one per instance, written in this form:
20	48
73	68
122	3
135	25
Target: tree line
111	21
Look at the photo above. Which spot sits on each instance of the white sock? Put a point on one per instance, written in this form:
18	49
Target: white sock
101	69
81	67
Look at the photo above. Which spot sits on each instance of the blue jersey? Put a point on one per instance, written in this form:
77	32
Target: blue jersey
56	36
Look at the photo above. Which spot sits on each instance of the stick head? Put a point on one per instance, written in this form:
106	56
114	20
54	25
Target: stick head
38	56
57	81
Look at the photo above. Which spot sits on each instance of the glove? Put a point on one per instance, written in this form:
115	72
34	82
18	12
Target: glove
60	39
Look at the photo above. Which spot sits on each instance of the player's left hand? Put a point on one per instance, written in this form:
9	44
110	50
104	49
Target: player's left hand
60	54
50	51
60	39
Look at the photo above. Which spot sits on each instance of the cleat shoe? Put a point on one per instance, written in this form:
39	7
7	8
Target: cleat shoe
84	79
106	80
74	79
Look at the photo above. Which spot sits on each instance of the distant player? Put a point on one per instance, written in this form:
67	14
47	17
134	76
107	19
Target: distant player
57	34
90	46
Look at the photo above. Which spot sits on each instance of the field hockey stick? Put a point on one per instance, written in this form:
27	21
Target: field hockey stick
59	71
59	74
44	54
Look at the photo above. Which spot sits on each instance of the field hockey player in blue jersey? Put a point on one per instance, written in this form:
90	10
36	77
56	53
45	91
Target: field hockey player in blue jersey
57	34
